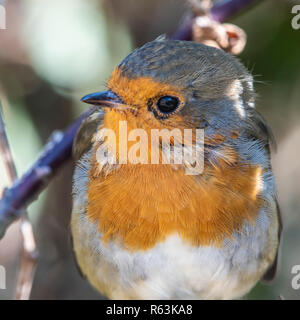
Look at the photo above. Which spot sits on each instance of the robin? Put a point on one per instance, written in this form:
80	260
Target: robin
152	231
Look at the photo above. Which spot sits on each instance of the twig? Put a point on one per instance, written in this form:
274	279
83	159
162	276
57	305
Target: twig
29	258
225	9
5	152
58	150
184	32
220	12
29	253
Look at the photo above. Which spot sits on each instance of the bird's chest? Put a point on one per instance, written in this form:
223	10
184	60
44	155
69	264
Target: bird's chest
139	206
150	236
172	269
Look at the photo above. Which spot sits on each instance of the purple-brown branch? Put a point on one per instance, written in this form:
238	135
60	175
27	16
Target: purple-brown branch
220	12
59	148
24	190
225	9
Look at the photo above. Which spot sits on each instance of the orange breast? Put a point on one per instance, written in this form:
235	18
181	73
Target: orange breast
140	205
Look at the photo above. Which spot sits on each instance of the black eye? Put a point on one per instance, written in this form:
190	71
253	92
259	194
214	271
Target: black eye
167	104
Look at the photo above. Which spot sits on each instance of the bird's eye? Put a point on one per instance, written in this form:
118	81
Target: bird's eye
167	104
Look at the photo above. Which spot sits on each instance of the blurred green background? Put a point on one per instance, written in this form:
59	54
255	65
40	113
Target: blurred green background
54	52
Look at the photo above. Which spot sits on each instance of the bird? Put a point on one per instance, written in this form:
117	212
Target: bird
145	230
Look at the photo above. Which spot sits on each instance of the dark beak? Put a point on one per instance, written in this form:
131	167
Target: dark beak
104	98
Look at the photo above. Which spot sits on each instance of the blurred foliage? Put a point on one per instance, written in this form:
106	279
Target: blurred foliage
53	52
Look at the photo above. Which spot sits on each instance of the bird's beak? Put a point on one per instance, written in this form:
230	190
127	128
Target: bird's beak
104	98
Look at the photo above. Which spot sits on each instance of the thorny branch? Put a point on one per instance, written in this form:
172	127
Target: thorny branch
58	150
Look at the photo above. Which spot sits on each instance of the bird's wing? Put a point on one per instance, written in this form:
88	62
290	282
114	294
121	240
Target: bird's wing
74	257
82	143
271	272
83	139
259	129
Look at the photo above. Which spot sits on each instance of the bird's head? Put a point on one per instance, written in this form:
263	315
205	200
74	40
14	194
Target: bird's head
185	85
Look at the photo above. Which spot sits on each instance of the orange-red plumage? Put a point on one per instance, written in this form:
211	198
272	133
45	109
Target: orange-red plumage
130	207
